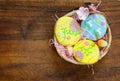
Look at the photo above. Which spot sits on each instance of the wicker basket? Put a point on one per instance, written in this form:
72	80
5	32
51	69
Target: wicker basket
74	61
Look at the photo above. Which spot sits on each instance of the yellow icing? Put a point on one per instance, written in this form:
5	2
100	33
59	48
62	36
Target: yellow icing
64	34
97	21
86	51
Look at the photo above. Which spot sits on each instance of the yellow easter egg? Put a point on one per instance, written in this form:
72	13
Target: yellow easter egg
86	52
66	31
102	43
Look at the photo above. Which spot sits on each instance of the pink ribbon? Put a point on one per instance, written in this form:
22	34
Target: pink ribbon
93	7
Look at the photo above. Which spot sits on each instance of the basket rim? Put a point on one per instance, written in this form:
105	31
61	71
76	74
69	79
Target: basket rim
106	49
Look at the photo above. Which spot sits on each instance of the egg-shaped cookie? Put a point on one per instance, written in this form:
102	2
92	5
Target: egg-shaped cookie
94	26
86	52
67	31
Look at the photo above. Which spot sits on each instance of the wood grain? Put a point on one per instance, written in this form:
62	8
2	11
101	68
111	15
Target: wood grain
25	54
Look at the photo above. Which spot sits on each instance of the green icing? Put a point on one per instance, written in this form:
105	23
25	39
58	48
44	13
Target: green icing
66	32
87	50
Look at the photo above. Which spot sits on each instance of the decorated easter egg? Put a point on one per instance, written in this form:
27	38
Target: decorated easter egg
69	51
94	25
86	52
67	31
102	43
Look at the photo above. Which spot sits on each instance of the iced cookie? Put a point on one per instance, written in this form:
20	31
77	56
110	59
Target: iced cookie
86	51
94	25
67	31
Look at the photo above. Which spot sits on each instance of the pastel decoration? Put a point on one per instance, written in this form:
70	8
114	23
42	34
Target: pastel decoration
86	51
75	26
67	31
69	51
102	43
94	24
82	13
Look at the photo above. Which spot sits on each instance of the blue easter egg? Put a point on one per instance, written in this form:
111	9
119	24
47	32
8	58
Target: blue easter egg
94	26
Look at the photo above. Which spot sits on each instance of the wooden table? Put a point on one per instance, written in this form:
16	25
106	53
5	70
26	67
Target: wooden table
25	54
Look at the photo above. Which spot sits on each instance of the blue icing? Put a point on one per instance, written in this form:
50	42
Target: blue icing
60	34
94	24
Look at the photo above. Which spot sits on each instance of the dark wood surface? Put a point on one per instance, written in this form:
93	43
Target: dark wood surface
25	54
